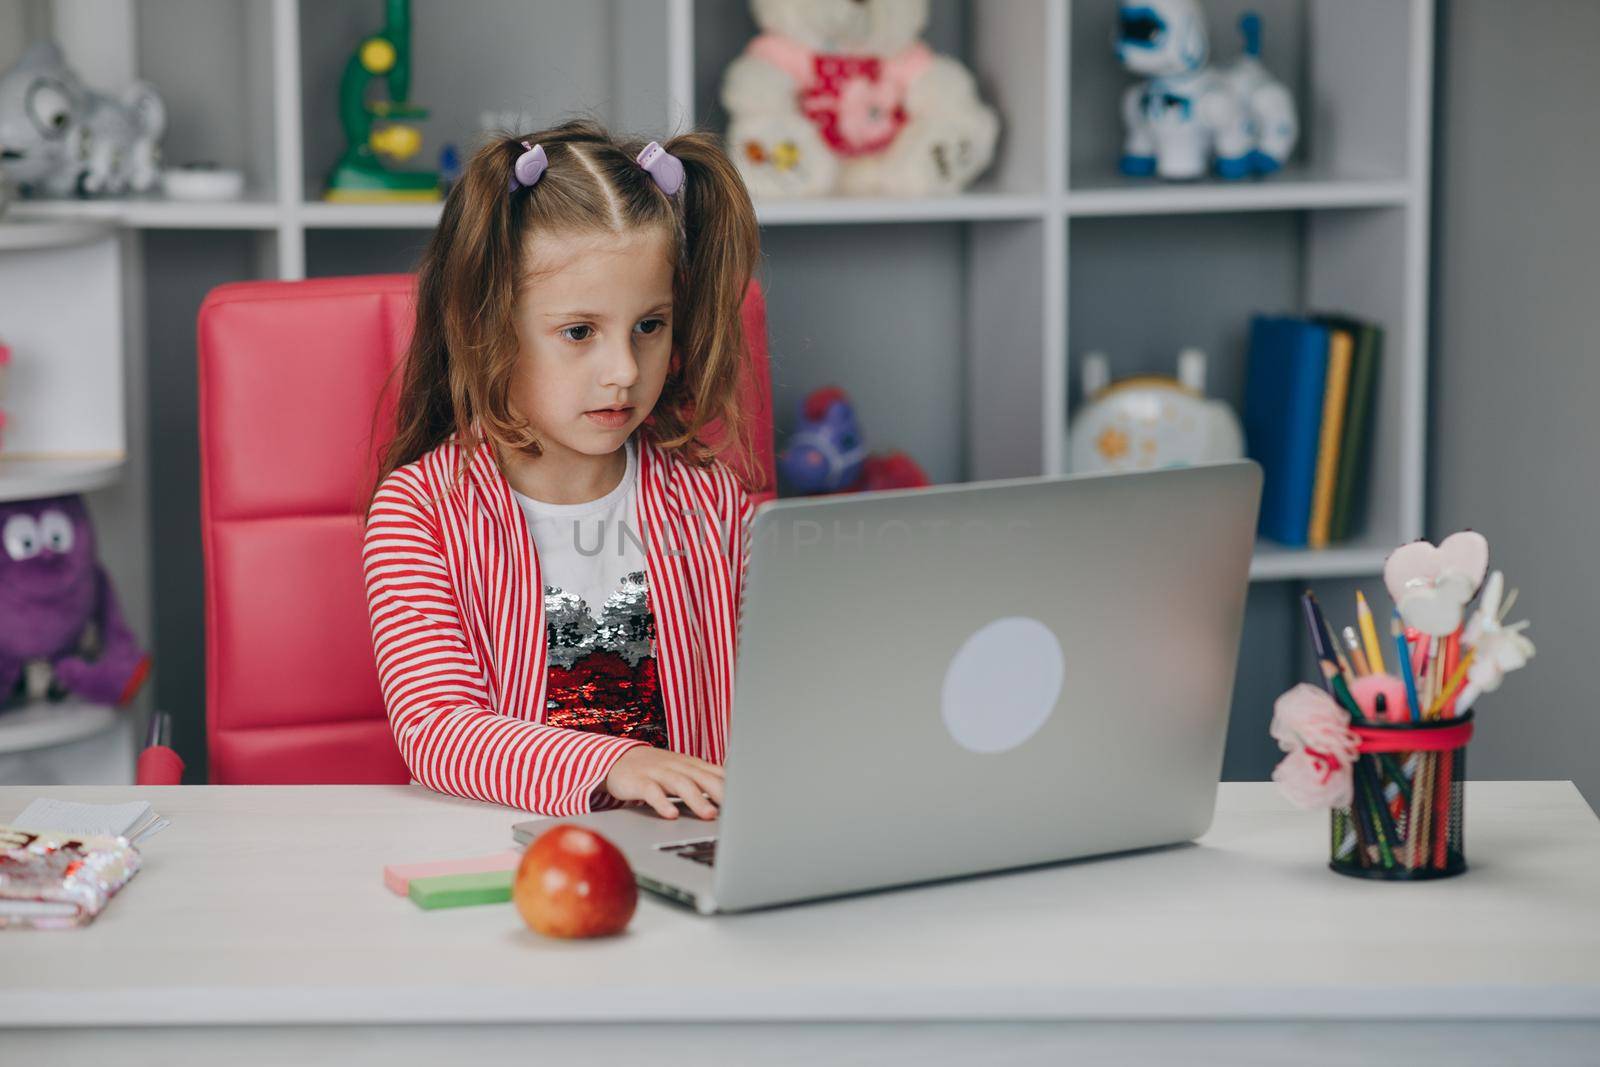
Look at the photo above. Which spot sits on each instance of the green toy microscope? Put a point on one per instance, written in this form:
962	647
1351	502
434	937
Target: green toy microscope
381	128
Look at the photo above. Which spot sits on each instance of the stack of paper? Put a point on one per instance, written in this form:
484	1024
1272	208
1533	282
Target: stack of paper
134	820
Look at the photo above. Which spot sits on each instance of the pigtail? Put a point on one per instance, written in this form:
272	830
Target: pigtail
721	244
466	288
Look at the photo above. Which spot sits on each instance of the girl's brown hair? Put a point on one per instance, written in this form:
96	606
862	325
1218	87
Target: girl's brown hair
458	371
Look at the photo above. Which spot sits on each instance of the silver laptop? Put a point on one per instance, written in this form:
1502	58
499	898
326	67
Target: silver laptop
969	678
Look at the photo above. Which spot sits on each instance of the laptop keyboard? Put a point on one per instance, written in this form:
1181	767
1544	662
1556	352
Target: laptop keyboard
703	850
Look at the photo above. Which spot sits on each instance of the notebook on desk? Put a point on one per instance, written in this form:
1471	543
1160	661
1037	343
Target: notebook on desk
55	880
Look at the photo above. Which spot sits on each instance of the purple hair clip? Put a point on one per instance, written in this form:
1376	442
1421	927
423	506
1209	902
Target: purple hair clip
529	167
664	168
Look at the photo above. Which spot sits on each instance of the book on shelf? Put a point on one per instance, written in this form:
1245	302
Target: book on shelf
1307	420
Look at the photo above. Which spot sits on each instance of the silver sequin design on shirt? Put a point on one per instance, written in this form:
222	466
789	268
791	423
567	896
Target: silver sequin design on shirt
625	625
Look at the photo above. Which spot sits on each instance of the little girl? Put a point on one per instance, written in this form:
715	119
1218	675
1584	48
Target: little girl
553	555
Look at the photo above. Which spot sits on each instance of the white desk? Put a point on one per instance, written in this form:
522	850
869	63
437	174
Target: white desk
261	917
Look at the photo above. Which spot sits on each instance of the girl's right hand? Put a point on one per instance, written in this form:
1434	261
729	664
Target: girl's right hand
649	774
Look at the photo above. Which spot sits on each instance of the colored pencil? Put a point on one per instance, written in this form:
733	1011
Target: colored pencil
1425	676
1441	837
1436	676
1398	633
1319	643
1352	645
1452	688
1452	660
1419	652
1379	811
1417	846
1346	668
1369	633
1326	646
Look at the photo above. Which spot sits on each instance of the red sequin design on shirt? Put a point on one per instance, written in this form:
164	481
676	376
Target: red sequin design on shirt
602	675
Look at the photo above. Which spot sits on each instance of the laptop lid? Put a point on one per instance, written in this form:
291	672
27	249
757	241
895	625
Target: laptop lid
974	677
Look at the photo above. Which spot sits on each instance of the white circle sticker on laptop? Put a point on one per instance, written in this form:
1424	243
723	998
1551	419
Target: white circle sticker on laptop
1002	684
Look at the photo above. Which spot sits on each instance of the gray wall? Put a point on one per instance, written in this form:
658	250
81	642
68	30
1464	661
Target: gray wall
1515	375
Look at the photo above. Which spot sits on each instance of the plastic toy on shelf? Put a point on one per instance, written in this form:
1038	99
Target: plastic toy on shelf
1188	114
843	97
827	453
381	129
61	628
60	138
1151	422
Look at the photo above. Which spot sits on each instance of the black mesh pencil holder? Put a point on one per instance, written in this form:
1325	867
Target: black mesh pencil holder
1404	821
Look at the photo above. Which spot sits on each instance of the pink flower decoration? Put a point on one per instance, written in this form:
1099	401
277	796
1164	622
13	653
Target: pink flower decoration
1309	779
867	111
1315	732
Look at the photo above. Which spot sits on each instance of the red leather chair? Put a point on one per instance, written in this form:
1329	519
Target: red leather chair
290	377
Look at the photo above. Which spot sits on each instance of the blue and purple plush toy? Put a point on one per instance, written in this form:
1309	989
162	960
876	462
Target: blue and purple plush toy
826	454
57	607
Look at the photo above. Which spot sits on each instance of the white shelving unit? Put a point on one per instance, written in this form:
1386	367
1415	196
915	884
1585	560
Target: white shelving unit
1035	231
65	433
955	323
65	430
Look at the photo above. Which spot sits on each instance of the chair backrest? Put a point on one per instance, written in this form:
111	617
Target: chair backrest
290	377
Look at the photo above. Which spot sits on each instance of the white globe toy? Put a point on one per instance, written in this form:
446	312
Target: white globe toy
1151	422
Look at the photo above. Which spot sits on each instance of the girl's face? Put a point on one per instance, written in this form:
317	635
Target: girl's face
594	325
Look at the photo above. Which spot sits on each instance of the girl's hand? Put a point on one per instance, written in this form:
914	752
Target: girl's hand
647	773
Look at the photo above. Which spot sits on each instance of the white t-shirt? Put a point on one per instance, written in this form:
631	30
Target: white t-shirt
587	549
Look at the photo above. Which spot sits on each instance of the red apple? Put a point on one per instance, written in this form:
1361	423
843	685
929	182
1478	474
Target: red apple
574	883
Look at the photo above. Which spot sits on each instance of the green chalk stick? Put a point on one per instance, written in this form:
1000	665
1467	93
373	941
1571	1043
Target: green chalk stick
459	890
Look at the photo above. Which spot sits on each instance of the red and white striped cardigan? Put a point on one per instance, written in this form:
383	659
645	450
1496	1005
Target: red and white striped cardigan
455	597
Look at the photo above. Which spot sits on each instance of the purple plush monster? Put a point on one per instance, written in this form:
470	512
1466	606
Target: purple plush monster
57	607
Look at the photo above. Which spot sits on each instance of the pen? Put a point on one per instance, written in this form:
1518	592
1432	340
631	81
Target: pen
1369	634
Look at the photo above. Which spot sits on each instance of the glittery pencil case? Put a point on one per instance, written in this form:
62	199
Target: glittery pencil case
56	880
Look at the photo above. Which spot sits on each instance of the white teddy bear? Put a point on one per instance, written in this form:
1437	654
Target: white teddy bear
842	96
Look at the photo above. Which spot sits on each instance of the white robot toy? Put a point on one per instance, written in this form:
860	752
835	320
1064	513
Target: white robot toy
1189	114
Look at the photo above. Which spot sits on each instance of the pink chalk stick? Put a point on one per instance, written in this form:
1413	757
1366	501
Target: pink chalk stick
398	877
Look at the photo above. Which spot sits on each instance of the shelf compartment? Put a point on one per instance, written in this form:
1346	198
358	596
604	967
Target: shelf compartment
547	59
32	479
1273	561
1004	45
322	215
1350	66
1142	289
254	212
42	724
1295	188
213	66
892	334
19	233
64	382
392	250
967	207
